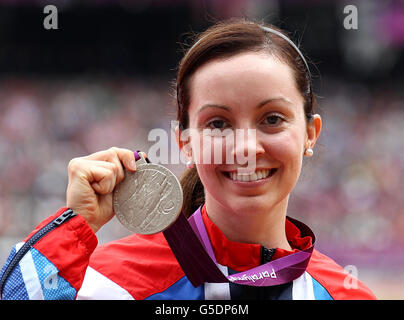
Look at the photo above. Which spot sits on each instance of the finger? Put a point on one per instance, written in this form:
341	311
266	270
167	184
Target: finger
114	154
114	164
104	180
127	158
82	166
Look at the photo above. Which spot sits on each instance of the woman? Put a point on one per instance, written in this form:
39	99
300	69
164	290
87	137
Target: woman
238	76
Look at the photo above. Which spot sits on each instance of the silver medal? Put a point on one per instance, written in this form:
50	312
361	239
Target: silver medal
148	200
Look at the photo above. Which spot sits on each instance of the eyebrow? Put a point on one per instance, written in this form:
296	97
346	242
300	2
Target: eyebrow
260	105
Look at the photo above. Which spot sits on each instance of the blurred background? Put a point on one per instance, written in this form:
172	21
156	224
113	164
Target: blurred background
103	79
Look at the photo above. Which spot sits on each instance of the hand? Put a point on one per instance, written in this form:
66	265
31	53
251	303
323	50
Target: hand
92	180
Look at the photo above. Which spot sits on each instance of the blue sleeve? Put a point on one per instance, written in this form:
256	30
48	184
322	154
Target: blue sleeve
34	278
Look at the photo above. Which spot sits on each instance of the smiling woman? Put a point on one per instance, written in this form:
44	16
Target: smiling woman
241	83
245	76
239	76
239	68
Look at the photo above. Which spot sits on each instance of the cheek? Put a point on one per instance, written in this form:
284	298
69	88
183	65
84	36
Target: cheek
286	148
208	176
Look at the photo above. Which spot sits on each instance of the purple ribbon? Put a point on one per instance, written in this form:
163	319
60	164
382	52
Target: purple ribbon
191	246
136	153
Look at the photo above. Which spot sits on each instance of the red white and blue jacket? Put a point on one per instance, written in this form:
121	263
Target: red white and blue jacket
60	259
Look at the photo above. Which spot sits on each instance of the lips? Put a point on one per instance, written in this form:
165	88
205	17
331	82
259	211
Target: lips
259	174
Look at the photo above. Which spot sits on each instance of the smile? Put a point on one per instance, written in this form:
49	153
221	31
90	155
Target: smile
256	176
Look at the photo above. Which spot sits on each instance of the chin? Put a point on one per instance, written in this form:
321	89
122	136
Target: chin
250	205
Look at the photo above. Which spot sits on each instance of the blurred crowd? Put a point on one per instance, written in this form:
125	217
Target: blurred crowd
349	191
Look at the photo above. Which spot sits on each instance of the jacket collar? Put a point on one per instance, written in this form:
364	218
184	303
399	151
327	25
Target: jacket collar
243	256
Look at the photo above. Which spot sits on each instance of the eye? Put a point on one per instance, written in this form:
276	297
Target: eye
273	119
217	124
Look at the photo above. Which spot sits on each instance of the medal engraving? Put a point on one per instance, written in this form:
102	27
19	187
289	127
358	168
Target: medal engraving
148	200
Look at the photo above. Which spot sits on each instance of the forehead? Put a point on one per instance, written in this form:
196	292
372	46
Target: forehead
243	79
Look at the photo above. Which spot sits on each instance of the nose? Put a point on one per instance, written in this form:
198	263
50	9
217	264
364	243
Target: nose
247	147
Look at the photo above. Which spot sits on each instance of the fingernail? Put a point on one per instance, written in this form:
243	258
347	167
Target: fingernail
132	164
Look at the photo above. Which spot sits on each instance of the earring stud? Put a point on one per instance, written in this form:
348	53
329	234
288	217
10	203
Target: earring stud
190	164
308	152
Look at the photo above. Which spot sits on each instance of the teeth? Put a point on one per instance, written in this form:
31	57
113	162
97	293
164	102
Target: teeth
257	175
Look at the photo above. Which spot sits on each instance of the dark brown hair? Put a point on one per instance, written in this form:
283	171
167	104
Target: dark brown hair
223	40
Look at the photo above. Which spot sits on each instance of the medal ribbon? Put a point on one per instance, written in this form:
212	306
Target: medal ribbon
191	246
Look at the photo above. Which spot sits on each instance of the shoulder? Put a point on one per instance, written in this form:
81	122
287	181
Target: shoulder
333	278
141	264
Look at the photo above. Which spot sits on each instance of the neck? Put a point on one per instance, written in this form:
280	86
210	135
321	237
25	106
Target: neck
264	226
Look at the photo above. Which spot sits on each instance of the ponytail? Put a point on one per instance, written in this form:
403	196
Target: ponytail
193	191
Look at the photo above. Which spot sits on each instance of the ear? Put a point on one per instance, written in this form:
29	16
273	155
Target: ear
313	131
183	140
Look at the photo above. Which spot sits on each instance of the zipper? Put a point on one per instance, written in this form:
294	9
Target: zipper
266	254
65	216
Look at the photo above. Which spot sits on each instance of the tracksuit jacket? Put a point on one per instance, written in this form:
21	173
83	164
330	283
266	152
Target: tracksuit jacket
60	260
